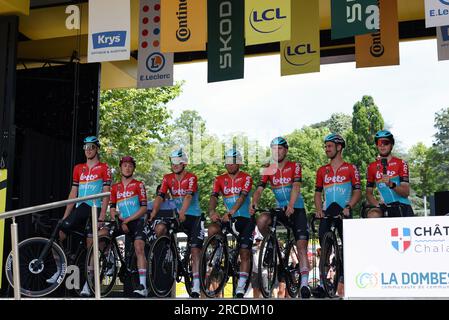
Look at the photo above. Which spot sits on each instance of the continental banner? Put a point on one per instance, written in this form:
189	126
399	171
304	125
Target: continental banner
267	21
380	48
302	53
226	43
183	25
3	176
155	69
353	17
109	30
443	43
437	13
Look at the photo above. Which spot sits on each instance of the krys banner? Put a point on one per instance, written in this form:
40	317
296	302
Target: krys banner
267	21
183	25
302	53
353	17
226	45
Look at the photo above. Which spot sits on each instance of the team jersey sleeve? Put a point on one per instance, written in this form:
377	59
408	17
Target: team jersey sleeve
107	177
216	189
355	179
142	194
164	187
192	186
403	172
297	175
319	183
371	177
247	186
76	176
113	197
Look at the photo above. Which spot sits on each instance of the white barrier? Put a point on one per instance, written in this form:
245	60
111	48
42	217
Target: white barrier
396	257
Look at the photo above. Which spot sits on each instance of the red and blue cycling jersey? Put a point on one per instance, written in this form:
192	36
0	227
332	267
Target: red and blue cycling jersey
397	171
90	181
179	189
337	186
232	189
281	182
128	199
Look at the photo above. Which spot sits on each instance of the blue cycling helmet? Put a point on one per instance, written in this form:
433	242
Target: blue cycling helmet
335	138
234	154
92	139
179	155
384	134
279	141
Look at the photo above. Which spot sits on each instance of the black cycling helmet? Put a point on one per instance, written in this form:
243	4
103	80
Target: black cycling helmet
127	159
384	134
279	141
92	139
335	138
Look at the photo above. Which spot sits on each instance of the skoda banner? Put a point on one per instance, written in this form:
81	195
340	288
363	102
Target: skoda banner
443	43
109	25
267	21
226	44
380	48
396	257
437	13
155	69
183	25
353	17
302	53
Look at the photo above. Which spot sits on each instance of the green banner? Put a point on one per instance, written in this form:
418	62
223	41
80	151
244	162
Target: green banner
353	17
226	44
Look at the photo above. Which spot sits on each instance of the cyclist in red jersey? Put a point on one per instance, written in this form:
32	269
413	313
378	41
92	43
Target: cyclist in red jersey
183	187
235	187
285	180
129	201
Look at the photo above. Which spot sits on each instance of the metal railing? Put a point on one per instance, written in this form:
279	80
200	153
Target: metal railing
14	236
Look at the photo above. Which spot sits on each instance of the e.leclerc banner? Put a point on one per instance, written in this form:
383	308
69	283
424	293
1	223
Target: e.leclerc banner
353	17
380	48
183	25
155	69
109	35
437	13
443	43
302	53
267	21
226	43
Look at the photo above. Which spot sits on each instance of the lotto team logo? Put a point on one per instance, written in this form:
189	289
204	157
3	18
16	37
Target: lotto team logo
155	62
401	239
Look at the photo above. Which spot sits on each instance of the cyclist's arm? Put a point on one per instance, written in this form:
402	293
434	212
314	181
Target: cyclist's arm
213	202
185	204
104	204
296	189
355	198
403	189
72	195
370	197
136	216
257	195
318	204
113	212
238	203
157	204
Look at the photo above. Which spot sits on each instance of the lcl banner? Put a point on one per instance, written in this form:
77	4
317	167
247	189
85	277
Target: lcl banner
443	43
302	53
183	25
267	21
155	69
353	17
109	25
437	13
226	44
380	48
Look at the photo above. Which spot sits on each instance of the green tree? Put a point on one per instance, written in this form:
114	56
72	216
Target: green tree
423	176
338	123
132	120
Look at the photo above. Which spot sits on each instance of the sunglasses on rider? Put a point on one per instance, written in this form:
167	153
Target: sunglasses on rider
89	146
383	142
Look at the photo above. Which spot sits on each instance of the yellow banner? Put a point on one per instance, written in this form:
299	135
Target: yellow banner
302	53
267	21
380	48
183	25
3	176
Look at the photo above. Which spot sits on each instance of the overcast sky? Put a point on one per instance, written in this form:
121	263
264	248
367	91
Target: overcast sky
265	105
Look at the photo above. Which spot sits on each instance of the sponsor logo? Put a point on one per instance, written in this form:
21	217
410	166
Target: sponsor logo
354	14
377	49
390	173
125	194
233	190
401	239
422	280
89	177
256	18
445	33
281	180
109	39
367	280
183	33
225	12
155	62
445	2
334	179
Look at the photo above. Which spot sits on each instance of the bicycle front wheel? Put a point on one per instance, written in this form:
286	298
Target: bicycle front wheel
162	266
38	277
330	264
214	264
267	265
